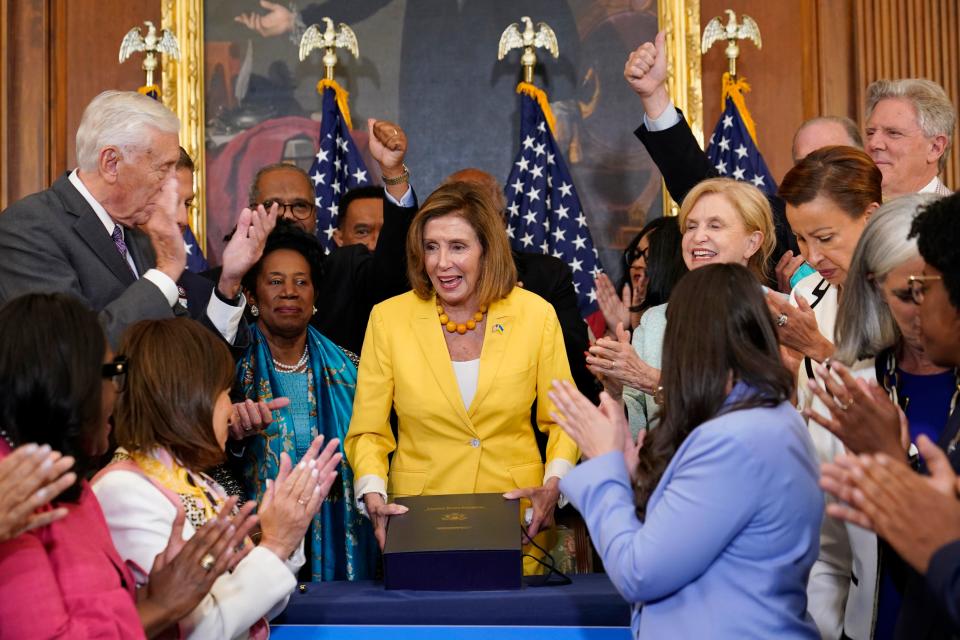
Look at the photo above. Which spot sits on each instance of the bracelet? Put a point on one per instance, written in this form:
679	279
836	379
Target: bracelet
400	179
658	396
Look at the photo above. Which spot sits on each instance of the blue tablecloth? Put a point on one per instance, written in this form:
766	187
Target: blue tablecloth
393	632
591	601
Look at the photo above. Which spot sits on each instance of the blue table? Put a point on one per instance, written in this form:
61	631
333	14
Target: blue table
588	609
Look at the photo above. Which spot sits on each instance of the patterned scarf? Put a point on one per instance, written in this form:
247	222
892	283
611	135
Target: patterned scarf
340	541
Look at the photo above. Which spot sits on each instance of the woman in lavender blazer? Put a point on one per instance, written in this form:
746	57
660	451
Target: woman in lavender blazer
712	525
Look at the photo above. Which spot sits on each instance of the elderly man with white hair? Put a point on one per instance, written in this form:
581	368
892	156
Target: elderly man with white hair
107	231
909	132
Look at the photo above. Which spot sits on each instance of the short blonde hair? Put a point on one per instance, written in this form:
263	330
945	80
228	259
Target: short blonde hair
498	273
754	210
118	118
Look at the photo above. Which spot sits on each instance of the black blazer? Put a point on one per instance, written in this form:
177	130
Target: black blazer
551	279
195	291
356	278
683	164
930	609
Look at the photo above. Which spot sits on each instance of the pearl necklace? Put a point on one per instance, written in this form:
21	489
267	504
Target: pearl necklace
461	328
300	366
6	436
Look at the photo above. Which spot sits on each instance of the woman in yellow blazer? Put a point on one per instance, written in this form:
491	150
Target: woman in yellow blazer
461	359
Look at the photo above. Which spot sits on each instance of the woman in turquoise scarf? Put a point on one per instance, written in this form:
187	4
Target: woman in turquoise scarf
289	358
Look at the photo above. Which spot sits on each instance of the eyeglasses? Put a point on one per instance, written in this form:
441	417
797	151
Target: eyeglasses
116	371
629	257
299	209
918	288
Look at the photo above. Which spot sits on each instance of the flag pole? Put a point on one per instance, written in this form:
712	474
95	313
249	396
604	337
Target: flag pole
544	213
338	166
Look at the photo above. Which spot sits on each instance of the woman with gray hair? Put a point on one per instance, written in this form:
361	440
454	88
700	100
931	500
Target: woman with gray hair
877	336
878	319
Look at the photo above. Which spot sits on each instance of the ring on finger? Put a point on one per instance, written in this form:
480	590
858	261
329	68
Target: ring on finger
207	562
301	502
782	320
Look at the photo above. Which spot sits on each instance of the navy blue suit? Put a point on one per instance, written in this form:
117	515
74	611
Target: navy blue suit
931	603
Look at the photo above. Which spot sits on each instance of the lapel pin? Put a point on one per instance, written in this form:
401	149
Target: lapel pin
498	328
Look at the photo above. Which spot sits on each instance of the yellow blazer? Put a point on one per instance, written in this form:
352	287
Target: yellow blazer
445	447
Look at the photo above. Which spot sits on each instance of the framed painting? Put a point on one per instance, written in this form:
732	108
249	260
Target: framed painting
246	101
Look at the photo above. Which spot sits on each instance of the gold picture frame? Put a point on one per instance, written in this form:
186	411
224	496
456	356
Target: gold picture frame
182	82
681	21
181	87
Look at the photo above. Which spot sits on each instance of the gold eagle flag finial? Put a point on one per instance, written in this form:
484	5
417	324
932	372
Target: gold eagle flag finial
528	40
716	31
153	45
329	40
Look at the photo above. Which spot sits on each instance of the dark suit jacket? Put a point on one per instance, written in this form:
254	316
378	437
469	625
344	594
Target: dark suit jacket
53	241
551	279
931	604
356	278
197	290
683	164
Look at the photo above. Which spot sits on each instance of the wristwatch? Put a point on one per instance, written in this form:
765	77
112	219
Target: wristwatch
400	179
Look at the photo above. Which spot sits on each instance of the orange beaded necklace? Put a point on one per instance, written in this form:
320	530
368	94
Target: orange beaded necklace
461	328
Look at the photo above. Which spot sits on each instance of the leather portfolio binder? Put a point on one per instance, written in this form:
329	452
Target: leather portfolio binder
454	543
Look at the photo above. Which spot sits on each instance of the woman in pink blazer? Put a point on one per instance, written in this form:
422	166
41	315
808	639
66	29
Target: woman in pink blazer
65	579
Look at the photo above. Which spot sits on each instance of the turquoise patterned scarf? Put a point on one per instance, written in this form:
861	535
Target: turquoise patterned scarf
340	542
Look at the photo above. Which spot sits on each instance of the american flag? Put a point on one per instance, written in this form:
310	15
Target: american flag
337	168
544	212
196	261
733	150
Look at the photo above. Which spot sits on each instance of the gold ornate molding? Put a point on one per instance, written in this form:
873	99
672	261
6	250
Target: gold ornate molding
681	20
182	82
182	91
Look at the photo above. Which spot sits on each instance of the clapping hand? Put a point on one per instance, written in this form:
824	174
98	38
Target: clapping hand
596	430
184	571
293	499
916	514
861	413
617	359
616	309
30	477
